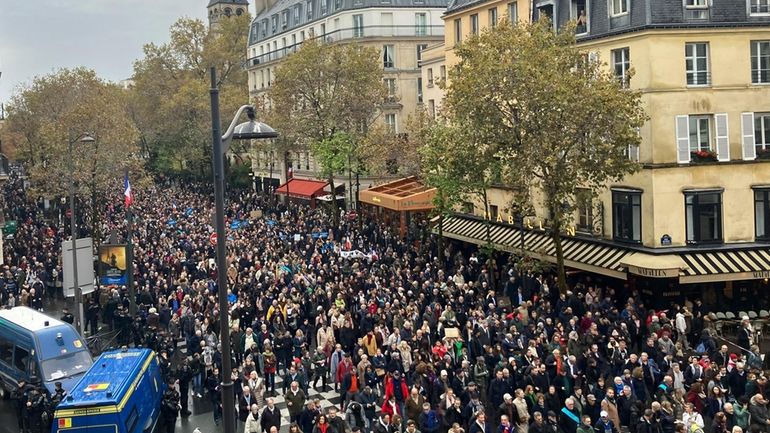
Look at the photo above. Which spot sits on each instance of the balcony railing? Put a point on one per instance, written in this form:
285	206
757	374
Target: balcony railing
353	33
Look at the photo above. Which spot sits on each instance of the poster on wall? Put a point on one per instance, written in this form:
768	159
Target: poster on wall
112	265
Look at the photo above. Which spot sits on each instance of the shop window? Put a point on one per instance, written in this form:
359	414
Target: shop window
762	214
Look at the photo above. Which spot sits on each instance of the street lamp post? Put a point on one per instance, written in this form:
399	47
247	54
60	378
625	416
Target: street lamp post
250	130
83	138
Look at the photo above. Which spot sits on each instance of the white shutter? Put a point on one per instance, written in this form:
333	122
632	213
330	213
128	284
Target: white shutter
747	133
723	138
683	139
633	152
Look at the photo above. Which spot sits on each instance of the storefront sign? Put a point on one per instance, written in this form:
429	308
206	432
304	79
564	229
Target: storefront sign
653	273
761	274
530	223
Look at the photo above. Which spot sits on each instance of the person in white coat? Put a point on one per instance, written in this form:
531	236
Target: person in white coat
252	421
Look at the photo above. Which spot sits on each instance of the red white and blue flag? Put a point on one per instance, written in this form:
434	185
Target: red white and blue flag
129	196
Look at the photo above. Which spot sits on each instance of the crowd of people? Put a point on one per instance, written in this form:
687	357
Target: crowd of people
412	339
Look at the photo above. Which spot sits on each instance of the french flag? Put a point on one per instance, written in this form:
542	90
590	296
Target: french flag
129	196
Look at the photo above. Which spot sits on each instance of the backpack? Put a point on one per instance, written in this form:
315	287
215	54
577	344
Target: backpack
700	349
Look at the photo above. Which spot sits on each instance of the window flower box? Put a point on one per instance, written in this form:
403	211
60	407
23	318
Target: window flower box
703	156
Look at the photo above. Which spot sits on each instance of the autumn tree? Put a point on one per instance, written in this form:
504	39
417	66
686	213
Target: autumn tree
559	121
51	112
327	97
169	100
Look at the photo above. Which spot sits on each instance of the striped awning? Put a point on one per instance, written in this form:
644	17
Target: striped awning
584	254
732	265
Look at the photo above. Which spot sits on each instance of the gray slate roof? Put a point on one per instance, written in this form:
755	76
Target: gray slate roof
234	2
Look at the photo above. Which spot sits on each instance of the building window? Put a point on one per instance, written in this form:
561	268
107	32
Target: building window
390	122
284	19
618	7
387	56
419	90
458	30
703	212
275	23
420	24
475	24
585	211
513	12
432	108
297	12
700	133
697	63
762	214
420	49
358	26
430	77
580	15
621	63
442	72
696	9
494	210
762	132
492	17
760	7
309	7
627	216
760	62
390	84
337	4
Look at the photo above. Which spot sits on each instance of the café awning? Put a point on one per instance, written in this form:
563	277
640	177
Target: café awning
585	254
408	194
728	265
302	188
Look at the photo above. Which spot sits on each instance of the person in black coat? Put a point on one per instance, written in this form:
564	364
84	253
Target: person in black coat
480	425
169	409
271	416
569	417
307	418
497	388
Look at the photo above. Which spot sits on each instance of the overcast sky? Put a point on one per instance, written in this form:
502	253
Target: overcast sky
40	36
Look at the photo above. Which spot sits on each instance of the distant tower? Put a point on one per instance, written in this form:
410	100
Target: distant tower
219	9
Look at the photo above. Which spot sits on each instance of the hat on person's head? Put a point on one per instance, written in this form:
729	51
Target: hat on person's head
591	397
506	397
604	414
552	413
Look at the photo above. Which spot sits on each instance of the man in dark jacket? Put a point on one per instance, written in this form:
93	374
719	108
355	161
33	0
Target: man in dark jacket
271	416
480	425
169	409
368	401
648	424
307	418
569	417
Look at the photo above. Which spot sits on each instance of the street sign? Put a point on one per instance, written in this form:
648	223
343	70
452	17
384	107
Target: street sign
213	238
85	252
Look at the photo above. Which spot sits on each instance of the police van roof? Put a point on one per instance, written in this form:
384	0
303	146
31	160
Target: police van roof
29	319
111	379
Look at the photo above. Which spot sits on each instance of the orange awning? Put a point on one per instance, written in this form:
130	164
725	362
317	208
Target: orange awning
408	194
302	188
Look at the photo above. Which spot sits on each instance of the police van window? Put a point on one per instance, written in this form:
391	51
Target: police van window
133	417
21	358
6	351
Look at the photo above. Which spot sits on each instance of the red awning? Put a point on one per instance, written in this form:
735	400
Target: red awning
302	188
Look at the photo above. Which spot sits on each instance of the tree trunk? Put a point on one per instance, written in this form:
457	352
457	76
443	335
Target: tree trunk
440	241
561	274
488	235
335	209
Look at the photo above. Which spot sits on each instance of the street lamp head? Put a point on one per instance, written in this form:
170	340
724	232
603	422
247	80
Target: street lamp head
253	130
87	138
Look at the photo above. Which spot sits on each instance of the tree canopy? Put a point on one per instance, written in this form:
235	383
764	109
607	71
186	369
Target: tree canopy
557	121
169	101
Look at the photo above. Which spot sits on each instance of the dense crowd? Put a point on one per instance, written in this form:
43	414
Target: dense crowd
412	338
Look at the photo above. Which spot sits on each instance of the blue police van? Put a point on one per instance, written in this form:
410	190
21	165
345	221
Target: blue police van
121	393
39	349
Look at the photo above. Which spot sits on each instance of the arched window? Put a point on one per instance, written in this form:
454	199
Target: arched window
228	12
239	11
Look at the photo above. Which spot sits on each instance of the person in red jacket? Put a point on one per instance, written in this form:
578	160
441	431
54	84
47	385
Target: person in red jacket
395	388
390	407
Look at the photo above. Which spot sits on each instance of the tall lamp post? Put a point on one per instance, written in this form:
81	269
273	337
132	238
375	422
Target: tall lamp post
83	138
251	130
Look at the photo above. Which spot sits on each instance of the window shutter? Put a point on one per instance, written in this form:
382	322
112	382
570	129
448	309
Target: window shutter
747	132
723	139
683	139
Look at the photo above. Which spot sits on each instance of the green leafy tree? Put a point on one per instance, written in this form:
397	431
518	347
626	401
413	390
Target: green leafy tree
51	112
327	97
169	100
558	120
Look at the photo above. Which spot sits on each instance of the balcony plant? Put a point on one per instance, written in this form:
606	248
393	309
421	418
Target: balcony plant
703	156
